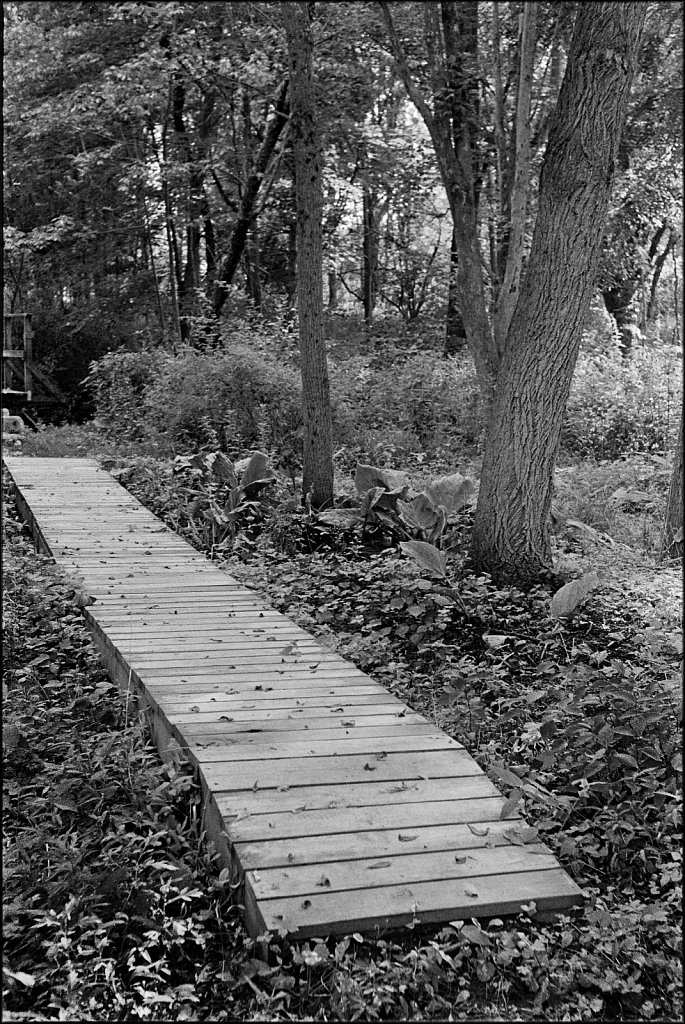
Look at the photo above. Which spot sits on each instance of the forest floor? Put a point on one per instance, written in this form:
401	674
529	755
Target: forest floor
114	908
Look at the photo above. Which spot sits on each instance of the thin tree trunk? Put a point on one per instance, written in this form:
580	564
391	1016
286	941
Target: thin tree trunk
455	334
510	537
659	262
332	289
317	476
509	291
241	227
369	254
672	541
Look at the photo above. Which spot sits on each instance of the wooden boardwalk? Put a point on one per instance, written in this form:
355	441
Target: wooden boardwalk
337	806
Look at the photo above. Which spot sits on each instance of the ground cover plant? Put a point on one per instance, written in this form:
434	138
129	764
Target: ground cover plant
577	720
576	716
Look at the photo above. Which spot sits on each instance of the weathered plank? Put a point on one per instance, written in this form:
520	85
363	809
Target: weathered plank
340	807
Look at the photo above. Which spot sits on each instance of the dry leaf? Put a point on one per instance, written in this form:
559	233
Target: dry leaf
405	838
479	830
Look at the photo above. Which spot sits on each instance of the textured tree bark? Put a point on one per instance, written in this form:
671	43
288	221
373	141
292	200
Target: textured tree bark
455	333
369	254
317	474
249	199
672	541
508	293
511	531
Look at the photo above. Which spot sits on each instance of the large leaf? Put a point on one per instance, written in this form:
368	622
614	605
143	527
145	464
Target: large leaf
388	499
366	477
258	473
427	556
222	468
420	513
452	492
572	594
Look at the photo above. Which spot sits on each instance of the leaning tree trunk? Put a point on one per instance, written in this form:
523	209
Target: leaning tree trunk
511	530
317	475
672	541
249	198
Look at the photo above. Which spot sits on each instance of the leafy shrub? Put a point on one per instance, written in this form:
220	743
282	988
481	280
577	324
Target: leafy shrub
621	406
427	403
119	381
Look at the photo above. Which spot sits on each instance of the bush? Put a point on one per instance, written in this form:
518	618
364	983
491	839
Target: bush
119	381
421	402
618	407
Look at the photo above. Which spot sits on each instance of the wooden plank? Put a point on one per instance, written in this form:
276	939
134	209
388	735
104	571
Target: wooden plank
225	776
424	902
357	794
291	799
409	819
292	719
446	865
222	748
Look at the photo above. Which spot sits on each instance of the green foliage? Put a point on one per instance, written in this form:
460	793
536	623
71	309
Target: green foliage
617	407
392	513
414	402
577	719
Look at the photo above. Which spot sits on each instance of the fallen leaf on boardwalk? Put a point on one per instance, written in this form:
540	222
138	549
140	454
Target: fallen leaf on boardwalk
296	810
223	718
405	838
402	713
521	836
369	767
290	857
403	787
255	786
460	860
313	668
215	640
470	892
336	711
479	830
347	723
324	883
381	756
282	789
194	708
306	903
380	864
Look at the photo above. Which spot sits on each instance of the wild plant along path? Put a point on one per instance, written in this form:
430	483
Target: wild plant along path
337	807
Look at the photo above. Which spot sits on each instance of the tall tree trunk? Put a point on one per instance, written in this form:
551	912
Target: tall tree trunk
511	531
508	293
332	288
455	334
252	267
247	204
672	541
317	476
653	305
369	254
